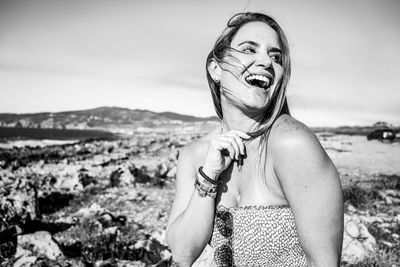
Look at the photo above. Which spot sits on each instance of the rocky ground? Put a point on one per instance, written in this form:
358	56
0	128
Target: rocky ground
106	202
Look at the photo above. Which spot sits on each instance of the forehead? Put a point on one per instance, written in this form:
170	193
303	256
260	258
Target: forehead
257	31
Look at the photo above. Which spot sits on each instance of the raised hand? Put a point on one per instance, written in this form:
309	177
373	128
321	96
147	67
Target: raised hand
224	149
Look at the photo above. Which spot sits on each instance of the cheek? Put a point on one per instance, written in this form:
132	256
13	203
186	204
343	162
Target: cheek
278	73
236	64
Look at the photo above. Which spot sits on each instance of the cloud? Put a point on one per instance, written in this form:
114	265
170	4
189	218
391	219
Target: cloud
80	54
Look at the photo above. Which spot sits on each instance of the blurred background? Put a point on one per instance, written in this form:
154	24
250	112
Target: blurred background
71	55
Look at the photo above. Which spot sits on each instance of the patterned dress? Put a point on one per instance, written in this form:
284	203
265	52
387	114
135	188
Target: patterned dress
256	236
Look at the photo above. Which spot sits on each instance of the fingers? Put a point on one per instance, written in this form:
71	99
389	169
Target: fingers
238	142
225	142
235	145
233	142
241	134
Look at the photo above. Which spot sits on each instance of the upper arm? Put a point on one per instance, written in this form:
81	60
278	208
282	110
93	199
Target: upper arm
185	177
312	187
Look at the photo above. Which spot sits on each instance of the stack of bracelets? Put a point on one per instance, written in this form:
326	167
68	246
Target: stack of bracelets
208	188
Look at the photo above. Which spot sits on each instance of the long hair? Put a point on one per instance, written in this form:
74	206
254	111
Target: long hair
278	104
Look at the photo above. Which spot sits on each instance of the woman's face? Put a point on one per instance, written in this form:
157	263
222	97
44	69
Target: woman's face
252	68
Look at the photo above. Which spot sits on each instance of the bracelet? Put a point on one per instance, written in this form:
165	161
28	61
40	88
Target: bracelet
205	189
208	179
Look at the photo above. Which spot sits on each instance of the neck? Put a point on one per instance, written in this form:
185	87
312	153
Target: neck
236	119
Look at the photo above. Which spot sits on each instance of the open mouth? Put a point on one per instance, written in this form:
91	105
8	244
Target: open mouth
259	81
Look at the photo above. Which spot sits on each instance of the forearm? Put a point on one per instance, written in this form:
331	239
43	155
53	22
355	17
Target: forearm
325	261
190	232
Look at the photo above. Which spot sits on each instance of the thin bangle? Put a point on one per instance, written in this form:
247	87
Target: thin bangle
214	182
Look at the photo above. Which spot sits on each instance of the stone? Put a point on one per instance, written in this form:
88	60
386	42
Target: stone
393	193
93	210
387	243
385	225
126	177
396	236
397	218
40	243
358	243
25	261
388	200
371	219
159	236
172	172
351	209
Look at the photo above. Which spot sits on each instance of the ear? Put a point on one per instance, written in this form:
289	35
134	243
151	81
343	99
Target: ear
215	70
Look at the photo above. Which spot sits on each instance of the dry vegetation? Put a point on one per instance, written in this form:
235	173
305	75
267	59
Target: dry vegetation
106	203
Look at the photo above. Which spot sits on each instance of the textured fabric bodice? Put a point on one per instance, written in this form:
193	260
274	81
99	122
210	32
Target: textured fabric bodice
256	236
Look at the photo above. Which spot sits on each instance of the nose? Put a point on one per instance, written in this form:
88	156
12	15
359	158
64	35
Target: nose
264	60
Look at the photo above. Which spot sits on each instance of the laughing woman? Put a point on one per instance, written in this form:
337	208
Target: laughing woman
259	189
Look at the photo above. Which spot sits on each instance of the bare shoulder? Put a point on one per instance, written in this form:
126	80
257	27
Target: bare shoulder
292	142
288	134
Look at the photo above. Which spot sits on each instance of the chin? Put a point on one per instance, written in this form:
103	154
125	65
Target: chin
256	104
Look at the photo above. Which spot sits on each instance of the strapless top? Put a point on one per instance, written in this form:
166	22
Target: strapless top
256	236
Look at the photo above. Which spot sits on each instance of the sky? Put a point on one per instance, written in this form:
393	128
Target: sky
72	55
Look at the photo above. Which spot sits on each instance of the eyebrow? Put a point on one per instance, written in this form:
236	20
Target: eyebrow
249	42
272	49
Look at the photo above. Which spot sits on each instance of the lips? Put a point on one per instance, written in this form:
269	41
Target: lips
259	80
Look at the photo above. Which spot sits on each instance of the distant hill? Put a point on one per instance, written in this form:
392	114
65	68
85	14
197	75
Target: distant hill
355	130
100	118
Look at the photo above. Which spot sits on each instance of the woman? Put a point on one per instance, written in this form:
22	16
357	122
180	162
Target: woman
260	189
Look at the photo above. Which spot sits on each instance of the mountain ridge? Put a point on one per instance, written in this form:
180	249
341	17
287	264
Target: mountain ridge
99	117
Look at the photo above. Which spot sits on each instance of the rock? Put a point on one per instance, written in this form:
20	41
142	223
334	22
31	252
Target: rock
126	177
172	172
24	257
115	177
371	219
22	252
206	259
358	243
351	209
395	237
111	230
385	225
131	195
162	170
71	184
8	246
387	243
93	210
393	193
159	236
85	178
25	261
397	219
388	200
40	243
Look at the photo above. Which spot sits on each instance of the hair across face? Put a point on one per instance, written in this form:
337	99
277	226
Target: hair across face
223	50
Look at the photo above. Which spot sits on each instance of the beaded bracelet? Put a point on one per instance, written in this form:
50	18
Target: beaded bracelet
205	189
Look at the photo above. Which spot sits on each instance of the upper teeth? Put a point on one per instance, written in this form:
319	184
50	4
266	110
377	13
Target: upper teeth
258	77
